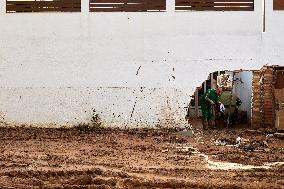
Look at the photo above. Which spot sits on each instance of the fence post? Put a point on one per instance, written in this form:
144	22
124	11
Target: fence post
170	6
84	6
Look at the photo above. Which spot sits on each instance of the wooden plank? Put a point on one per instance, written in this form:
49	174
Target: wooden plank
216	8
215	5
123	10
125	1
44	6
204	1
278	5
44	10
127	5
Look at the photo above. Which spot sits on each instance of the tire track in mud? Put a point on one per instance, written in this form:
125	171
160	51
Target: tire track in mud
124	159
103	177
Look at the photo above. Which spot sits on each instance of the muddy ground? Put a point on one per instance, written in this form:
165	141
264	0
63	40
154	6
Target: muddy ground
139	158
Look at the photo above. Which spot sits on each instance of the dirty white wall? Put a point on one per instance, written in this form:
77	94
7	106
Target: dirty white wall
243	90
135	69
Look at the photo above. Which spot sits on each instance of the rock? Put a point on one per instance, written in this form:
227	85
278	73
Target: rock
221	142
279	135
249	148
186	133
266	150
265	143
269	135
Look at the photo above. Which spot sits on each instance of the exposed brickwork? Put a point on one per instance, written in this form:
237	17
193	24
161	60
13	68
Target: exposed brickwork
263	112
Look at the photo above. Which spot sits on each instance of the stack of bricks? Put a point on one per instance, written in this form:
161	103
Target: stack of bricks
263	113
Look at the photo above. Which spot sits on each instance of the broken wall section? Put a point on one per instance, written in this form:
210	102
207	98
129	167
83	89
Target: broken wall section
262	98
242	88
267	97
279	99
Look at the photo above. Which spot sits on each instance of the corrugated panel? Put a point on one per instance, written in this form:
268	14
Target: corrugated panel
43	6
215	5
127	5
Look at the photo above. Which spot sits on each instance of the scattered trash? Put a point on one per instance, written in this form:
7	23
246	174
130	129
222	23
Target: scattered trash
222	108
266	150
279	135
238	142
221	142
186	150
269	135
227	141
265	143
244	144
187	130
249	148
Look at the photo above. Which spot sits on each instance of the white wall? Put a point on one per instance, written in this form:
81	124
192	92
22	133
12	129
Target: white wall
243	90
55	67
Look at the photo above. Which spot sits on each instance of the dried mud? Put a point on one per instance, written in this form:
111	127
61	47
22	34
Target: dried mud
137	158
